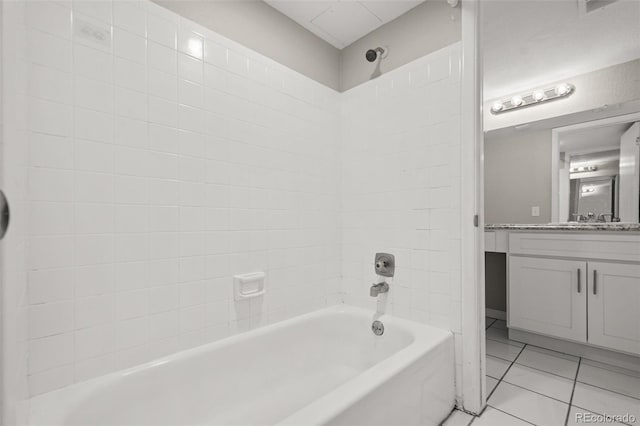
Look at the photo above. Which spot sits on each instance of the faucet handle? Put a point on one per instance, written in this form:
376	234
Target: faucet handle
378	288
602	217
385	264
373	291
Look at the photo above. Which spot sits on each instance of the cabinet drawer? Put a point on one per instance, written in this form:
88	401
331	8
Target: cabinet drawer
595	246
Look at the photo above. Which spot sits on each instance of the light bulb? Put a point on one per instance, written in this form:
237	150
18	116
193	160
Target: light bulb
538	95
562	89
516	101
497	107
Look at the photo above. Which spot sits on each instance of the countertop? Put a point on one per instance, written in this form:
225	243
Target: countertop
569	226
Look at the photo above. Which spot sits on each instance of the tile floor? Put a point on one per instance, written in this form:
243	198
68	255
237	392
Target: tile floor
531	385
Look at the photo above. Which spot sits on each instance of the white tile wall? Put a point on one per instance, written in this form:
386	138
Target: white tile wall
401	189
163	160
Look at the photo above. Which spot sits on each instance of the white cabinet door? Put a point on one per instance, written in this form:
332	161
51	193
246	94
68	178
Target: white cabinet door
548	296
614	306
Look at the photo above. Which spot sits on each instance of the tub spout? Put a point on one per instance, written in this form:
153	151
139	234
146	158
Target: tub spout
376	289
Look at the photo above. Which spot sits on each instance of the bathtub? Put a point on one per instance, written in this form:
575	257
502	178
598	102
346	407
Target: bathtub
326	367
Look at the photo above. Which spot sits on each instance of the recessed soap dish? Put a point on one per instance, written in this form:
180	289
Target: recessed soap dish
246	286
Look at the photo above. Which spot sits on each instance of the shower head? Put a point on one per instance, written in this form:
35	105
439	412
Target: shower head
372	54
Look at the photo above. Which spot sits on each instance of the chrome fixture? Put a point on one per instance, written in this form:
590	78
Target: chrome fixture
4	215
602	217
372	54
584	169
378	328
385	264
533	98
376	289
590	217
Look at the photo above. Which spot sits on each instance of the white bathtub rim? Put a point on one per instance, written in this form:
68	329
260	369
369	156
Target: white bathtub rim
52	408
340	399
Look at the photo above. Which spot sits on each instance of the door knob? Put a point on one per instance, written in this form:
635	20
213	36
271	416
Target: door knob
4	215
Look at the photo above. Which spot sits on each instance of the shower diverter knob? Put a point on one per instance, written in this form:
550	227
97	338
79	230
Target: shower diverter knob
385	264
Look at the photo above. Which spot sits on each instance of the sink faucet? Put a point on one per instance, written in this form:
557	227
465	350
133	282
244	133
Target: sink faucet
376	289
602	217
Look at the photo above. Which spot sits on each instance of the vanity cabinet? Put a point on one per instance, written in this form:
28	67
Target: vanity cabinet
548	296
614	306
579	287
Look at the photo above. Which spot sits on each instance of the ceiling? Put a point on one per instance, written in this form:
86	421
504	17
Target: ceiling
593	139
342	22
529	43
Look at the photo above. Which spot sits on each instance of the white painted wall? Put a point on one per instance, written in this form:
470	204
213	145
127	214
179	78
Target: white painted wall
401	189
517	176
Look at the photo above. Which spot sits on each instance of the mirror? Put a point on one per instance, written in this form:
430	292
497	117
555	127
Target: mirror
598	170
561	112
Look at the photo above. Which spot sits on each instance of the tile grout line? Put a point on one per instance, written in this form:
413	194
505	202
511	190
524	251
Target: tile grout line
494	320
514	342
502	379
608	390
542	371
505	372
553	350
536	392
509	414
575	381
573	390
612	368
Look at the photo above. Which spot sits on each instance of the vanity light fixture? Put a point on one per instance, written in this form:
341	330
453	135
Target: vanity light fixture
533	98
588	190
517	101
